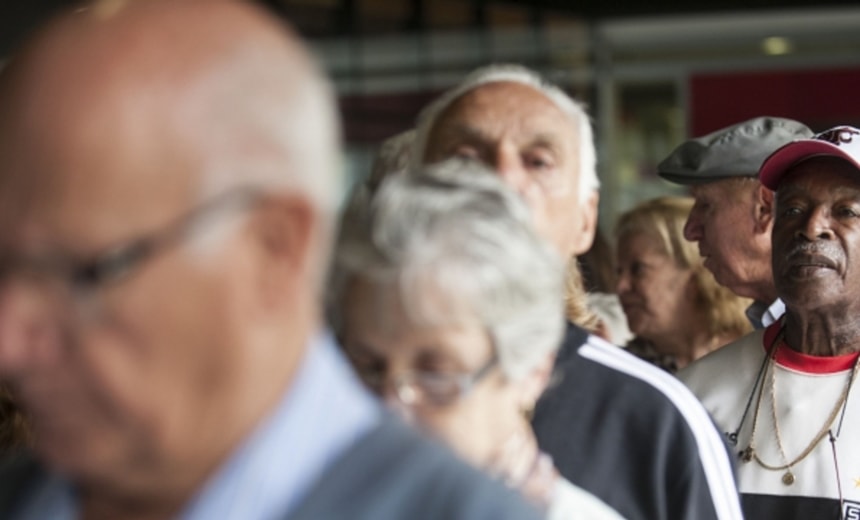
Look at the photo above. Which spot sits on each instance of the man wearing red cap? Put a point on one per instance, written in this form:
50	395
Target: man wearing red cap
789	405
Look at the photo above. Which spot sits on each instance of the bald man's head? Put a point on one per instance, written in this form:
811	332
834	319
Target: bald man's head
131	131
220	79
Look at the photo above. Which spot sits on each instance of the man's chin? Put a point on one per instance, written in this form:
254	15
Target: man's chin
59	454
69	453
720	274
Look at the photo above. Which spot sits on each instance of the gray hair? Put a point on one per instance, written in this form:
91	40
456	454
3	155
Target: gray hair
588	181
285	137
453	229
393	156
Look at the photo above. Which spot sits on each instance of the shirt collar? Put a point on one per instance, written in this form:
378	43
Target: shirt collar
324	411
789	358
762	315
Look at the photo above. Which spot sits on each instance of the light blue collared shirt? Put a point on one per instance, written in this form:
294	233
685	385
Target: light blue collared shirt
324	411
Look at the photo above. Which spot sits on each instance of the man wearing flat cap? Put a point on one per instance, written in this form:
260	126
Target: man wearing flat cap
733	214
791	404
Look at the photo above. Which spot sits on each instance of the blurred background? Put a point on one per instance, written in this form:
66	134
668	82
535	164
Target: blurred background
653	73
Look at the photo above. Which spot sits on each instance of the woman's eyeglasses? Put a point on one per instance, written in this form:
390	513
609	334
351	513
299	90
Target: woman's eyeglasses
419	388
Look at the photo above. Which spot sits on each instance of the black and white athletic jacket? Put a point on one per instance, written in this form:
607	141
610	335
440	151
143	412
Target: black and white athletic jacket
633	435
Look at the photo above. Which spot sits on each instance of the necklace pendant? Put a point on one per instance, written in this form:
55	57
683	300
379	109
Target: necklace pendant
747	454
788	478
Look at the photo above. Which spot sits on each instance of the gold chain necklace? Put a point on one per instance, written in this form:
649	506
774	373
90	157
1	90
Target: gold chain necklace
750	453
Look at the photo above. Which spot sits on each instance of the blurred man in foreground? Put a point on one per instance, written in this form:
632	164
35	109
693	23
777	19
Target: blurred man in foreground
168	188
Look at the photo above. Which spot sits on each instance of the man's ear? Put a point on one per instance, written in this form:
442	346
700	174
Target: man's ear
588	224
285	228
764	209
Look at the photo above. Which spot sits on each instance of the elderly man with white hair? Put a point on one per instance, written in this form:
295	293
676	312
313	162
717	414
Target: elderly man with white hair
615	426
168	189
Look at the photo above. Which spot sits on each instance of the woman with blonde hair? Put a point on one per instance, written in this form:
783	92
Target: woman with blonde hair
674	306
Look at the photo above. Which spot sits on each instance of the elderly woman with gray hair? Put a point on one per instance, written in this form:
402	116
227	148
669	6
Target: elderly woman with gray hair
448	306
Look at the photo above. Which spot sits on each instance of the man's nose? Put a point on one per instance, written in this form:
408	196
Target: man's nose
693	227
28	333
622	282
509	166
817	226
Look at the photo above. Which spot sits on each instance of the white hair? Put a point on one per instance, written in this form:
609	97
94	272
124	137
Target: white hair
456	245
394	155
285	136
312	136
588	181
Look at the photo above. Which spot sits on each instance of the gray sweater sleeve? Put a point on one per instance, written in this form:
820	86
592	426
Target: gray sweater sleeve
394	473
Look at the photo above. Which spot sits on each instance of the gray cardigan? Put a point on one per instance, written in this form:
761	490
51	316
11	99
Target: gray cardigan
390	473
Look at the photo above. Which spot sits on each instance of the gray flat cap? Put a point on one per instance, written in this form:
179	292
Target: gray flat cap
735	151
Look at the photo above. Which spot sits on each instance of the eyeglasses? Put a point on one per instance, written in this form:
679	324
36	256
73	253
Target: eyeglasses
118	262
418	388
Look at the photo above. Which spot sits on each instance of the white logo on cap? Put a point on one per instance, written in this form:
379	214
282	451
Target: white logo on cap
839	135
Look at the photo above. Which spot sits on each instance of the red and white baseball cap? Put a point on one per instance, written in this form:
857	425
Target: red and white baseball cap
840	141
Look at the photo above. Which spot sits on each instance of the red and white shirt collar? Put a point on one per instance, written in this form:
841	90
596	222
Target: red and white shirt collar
791	359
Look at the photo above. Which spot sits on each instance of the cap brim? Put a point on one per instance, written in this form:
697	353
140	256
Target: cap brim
783	159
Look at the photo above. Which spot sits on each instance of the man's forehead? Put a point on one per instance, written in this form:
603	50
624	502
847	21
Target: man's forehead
709	189
91	101
502	101
728	187
504	89
828	173
126	147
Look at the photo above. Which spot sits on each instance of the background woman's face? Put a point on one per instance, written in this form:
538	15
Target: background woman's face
380	338
654	291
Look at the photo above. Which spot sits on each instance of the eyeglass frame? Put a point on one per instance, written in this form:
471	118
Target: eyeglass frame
118	262
408	387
